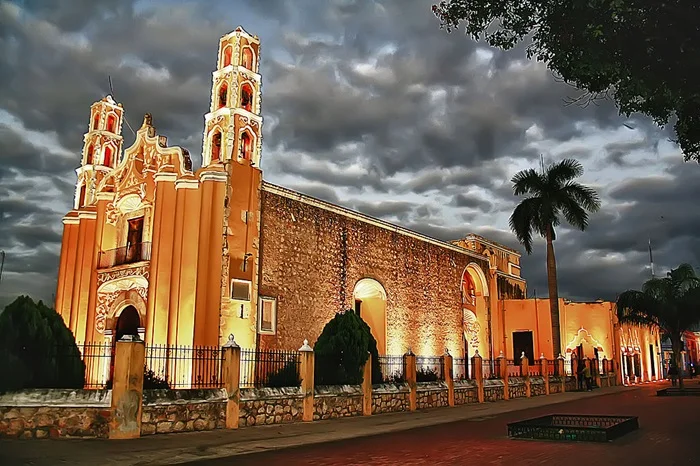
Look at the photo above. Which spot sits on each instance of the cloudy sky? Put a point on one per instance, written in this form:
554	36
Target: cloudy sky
367	104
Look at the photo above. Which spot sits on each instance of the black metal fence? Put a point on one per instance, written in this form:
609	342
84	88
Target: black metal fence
125	255
270	368
393	369
98	363
183	366
429	368
461	369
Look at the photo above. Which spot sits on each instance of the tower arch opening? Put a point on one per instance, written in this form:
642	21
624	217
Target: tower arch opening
247	97
370	304
227	56
90	154
111	123
247	58
223	95
96	122
108	156
246	145
216	146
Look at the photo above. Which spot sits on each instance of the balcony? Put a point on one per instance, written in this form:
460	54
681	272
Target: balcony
137	252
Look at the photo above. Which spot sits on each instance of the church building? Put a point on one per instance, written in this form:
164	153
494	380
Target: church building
188	257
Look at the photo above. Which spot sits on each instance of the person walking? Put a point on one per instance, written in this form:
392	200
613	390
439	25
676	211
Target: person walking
587	377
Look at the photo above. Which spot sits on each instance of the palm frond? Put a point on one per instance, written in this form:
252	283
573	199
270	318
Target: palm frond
524	220
527	182
574	213
583	195
638	308
565	170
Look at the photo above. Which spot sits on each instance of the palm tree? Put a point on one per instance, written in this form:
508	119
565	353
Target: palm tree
550	195
672	304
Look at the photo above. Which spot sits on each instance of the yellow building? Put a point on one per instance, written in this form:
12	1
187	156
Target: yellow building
180	257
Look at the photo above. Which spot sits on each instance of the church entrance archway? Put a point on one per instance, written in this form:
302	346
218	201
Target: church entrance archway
474	290
128	323
370	305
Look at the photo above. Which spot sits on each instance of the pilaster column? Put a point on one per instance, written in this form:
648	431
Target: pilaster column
232	377
307	380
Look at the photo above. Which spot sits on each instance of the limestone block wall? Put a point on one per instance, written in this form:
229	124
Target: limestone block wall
265	406
312	258
516	387
390	398
166	411
571	384
431	395
493	389
554	385
537	387
331	402
55	413
466	392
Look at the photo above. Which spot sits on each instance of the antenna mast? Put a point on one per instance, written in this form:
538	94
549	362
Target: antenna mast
111	91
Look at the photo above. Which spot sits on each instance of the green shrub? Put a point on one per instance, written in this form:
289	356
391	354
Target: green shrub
151	381
37	350
287	376
342	350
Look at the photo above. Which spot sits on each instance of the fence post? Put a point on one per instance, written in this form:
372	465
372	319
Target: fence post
525	372
307	380
231	373
544	371
598	381
574	370
367	387
478	374
605	371
447	369
409	361
503	369
618	372
127	388
561	372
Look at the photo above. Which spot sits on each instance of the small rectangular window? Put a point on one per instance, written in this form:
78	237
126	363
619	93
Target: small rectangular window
267	316
240	290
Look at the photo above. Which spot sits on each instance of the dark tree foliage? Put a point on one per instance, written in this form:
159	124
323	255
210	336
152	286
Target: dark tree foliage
642	53
342	350
287	376
671	304
37	350
550	196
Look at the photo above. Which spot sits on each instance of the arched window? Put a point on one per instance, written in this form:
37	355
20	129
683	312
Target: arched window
247	58
96	122
108	156
246	145
88	159
227	56
216	147
247	97
111	123
223	93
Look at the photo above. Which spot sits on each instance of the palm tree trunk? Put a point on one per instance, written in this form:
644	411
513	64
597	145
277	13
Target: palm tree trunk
677	345
553	292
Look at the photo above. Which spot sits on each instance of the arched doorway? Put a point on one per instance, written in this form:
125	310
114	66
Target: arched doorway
128	323
474	291
370	304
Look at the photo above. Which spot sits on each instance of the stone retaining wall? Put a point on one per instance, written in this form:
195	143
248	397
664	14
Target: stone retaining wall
331	402
571	385
265	406
516	387
390	398
537	387
55	413
166	411
493	390
554	385
466	392
431	395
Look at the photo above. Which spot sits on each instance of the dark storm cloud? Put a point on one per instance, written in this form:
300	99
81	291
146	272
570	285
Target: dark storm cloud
473	202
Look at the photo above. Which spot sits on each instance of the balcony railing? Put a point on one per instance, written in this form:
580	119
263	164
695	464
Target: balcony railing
136	252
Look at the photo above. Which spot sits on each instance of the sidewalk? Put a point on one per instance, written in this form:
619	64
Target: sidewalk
183	447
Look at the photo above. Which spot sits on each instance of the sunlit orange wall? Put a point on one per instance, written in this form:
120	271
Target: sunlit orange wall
528	315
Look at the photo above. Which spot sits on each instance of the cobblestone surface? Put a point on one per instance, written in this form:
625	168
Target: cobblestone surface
667	435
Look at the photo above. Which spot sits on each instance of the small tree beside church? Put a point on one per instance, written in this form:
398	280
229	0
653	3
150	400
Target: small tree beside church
342	349
37	350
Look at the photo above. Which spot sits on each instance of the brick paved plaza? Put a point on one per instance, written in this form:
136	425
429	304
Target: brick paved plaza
668	435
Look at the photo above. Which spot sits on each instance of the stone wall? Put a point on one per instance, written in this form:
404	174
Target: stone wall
571	384
166	411
390	398
537	387
312	257
554	385
55	413
493	389
516	387
331	402
265	406
431	395
466	392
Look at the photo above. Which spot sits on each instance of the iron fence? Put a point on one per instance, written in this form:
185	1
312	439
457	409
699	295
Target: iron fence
513	369
173	366
97	358
270	368
125	255
429	368
461	368
393	369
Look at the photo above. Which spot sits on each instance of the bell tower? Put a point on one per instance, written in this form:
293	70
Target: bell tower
101	148
233	126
